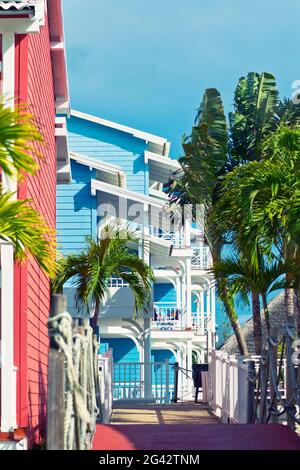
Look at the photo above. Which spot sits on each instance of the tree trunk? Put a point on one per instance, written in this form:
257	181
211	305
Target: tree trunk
235	324
266	313
256	323
95	316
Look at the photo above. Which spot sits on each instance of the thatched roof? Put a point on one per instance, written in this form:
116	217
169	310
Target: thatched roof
276	309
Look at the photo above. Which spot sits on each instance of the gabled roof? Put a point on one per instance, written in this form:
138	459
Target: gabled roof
120	127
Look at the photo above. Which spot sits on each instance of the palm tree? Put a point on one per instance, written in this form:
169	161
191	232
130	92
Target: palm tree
110	256
243	280
260	204
20	224
205	162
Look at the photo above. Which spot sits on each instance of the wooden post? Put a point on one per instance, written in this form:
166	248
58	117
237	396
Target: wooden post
264	369
251	392
167	382
290	374
273	366
56	388
176	370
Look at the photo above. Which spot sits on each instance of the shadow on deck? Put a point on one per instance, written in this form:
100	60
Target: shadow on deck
186	427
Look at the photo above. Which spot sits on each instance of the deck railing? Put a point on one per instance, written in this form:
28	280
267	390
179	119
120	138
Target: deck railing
129	381
105	365
176	238
168	316
228	386
201	258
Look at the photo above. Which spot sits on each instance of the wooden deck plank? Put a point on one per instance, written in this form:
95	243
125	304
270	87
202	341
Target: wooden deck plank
186	427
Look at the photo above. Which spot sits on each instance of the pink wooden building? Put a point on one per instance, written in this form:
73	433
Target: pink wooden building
33	72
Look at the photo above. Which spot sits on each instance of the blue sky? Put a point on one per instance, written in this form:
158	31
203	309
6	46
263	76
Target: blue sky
146	63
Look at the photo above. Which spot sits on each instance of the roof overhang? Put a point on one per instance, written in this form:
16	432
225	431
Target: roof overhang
62	151
114	171
124	193
58	56
22	16
148	138
161	168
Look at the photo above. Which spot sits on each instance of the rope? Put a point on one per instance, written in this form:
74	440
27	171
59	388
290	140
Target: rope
273	372
81	409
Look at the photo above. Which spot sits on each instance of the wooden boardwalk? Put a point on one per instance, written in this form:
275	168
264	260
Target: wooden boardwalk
186	427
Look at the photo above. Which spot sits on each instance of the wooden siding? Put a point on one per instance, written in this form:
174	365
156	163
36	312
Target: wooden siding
110	145
41	189
76	210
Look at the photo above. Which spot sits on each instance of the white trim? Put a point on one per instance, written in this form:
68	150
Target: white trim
8	376
8	394
99	165
162	160
120	127
20	25
124	193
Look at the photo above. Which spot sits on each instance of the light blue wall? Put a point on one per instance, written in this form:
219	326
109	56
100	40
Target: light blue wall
164	293
124	349
161	355
76	210
112	146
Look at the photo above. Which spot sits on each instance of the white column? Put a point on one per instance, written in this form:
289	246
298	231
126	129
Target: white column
147	321
178	292
8	382
187	226
213	309
188	274
8	385
147	358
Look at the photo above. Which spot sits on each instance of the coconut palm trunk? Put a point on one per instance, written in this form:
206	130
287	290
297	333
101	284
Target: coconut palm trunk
96	315
266	312
235	324
256	323
237	330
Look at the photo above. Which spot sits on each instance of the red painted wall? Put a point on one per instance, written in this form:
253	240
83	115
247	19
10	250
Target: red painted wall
34	83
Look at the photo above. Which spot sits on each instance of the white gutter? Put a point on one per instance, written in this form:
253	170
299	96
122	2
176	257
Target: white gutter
120	127
100	165
124	193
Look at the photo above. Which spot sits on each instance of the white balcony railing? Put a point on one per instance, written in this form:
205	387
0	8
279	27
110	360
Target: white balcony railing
176	238
167	317
201	258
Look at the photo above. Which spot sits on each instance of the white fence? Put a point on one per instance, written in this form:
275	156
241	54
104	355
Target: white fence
105	365
228	386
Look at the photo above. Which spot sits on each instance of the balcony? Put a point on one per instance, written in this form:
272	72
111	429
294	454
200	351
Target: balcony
201	258
175	238
167	317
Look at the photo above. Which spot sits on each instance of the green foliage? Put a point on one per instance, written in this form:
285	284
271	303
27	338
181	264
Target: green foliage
20	224
18	137
237	173
90	269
